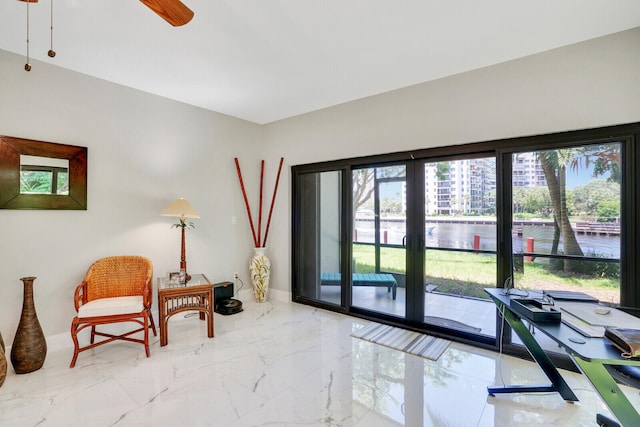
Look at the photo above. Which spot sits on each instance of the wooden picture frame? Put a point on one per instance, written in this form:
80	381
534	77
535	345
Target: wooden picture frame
10	197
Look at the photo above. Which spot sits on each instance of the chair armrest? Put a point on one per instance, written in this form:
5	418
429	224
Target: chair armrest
80	295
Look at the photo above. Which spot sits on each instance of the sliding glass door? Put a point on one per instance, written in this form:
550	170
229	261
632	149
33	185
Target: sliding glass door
460	244
379	236
317	246
453	233
422	247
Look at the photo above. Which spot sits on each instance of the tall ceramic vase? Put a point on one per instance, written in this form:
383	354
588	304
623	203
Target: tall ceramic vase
3	362
260	270
29	347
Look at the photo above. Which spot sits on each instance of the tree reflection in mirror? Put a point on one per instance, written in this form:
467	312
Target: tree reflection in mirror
44	175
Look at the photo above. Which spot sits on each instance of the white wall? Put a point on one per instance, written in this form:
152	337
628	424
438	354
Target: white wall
143	152
591	84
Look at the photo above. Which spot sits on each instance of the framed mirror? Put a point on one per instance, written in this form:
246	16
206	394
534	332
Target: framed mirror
42	175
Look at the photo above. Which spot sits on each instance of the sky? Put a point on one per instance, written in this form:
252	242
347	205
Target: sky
581	176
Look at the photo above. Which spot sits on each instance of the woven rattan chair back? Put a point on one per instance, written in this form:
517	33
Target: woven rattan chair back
118	276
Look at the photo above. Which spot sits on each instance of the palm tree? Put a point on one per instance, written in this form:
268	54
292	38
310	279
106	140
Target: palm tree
554	164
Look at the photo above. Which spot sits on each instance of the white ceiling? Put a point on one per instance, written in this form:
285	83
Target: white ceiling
265	60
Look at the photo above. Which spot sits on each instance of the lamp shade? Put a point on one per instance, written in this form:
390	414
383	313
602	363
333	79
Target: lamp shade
181	209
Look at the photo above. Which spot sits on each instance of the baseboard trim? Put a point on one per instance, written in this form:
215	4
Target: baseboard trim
273	294
64	341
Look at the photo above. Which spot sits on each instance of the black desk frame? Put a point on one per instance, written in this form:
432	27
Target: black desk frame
591	359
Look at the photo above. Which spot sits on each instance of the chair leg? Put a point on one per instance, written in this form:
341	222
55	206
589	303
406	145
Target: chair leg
153	325
93	334
146	333
74	337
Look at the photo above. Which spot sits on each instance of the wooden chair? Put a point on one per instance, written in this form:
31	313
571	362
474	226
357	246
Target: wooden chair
115	289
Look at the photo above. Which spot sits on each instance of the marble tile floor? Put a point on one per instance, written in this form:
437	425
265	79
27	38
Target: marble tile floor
284	364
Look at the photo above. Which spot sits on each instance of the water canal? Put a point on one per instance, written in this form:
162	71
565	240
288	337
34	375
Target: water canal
461	235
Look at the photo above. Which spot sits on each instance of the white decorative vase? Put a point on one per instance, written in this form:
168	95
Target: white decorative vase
260	270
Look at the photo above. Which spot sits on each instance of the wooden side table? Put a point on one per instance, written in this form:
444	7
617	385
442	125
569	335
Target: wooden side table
173	298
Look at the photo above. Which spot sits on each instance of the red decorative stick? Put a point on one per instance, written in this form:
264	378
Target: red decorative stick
260	211
246	202
273	199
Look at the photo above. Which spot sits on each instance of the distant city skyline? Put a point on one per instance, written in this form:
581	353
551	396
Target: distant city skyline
575	178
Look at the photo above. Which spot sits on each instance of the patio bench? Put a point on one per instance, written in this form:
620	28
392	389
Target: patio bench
361	279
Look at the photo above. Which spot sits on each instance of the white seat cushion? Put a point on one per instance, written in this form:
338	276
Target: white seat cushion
111	306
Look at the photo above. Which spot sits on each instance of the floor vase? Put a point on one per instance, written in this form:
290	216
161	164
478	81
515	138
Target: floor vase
29	347
3	362
260	270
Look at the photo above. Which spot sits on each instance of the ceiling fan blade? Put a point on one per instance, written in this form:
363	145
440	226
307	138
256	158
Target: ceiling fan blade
172	11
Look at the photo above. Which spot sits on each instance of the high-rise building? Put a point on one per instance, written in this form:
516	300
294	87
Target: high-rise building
527	171
460	187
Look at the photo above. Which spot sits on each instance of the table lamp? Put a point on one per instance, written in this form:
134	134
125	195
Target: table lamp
181	209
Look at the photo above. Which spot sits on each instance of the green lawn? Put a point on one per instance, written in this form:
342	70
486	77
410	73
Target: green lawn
466	274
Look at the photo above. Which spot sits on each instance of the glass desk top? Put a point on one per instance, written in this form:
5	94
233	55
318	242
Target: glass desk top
196	280
587	348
